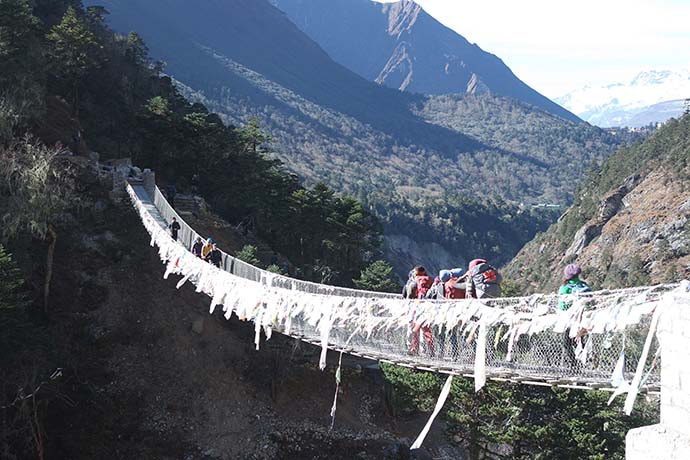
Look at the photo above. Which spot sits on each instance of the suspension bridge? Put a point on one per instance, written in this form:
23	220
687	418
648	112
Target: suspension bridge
524	339
605	340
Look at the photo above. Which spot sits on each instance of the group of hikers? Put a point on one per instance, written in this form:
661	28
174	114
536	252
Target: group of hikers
481	280
207	251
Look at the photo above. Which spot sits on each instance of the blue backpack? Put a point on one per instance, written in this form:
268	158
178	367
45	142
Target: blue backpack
579	287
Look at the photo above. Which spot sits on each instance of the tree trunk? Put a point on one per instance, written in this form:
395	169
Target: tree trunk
75	109
52	240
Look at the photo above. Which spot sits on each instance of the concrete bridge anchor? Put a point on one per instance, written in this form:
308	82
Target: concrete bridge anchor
670	439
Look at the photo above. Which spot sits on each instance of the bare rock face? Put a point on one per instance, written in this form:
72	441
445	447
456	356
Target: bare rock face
399	68
641	231
610	206
476	85
400	46
583	237
638	233
402	17
404	253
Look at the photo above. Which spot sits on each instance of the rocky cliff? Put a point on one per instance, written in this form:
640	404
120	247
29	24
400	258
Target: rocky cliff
401	46
630	224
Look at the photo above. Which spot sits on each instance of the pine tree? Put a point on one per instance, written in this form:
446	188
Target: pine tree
378	276
249	254
39	187
21	60
74	52
252	136
11	282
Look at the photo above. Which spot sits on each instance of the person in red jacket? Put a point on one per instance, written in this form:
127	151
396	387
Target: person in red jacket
422	284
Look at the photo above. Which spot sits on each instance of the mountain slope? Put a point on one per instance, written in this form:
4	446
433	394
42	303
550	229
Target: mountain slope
193	39
328	124
650	97
630	224
401	46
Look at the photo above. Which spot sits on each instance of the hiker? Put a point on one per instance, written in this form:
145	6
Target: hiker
197	247
409	290
482	280
422	284
437	292
572	284
174	228
454	286
215	257
207	248
195	184
171	191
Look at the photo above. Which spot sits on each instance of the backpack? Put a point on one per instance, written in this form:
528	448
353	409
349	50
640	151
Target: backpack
424	283
486	274
410	291
579	287
452	291
487	281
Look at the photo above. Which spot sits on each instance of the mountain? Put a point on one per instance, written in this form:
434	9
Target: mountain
629	225
404	155
400	46
650	97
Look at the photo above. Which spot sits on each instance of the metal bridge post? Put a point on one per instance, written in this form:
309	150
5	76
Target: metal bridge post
670	439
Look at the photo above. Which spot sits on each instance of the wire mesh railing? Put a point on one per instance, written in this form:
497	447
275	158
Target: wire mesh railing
187	235
546	357
521	339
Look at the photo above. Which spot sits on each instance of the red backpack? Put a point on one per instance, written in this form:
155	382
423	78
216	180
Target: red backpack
424	283
452	291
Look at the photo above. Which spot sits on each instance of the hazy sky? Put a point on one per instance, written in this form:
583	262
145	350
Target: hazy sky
556	46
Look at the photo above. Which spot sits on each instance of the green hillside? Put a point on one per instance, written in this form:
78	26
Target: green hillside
71	86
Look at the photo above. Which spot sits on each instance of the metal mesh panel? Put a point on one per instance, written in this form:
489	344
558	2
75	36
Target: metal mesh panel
546	357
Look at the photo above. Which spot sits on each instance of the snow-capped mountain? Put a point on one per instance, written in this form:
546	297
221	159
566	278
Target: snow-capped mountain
652	96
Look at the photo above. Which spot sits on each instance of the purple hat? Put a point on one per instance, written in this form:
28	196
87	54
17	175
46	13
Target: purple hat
571	271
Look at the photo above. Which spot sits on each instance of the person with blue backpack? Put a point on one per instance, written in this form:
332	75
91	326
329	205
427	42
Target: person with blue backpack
572	284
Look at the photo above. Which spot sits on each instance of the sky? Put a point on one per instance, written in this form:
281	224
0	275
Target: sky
557	46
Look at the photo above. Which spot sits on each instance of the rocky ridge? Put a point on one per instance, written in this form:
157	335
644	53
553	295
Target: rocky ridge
630	224
400	46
